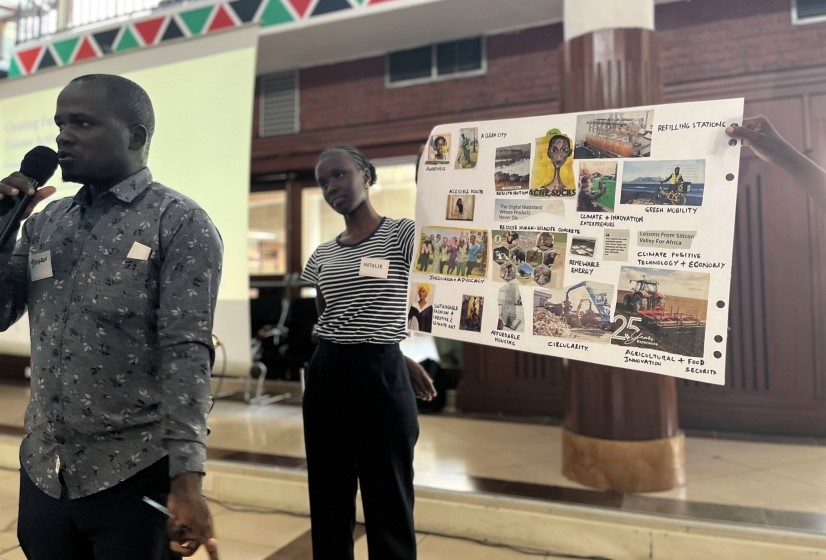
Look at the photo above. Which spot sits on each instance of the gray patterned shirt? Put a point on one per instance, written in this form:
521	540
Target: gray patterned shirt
121	294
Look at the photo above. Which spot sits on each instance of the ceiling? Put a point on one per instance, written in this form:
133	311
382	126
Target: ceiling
336	37
430	21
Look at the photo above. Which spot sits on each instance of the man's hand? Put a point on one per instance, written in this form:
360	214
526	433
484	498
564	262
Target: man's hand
16	183
190	523
422	384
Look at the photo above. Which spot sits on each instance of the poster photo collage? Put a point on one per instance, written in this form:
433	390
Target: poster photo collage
602	236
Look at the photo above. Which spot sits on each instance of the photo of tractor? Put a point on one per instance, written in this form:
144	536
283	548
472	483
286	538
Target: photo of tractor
647	301
661	309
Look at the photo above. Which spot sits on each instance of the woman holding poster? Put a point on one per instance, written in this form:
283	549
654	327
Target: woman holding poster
360	423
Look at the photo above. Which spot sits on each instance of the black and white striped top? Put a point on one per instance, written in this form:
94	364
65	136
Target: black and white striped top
361	308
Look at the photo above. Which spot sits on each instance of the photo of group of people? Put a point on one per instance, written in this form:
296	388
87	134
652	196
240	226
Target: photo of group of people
530	257
452	252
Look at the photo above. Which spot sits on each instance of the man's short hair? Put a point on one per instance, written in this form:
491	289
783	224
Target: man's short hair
129	100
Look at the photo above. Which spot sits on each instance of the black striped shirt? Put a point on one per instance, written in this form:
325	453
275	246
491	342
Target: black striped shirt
361	308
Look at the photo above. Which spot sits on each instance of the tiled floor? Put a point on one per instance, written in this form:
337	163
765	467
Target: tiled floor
779	484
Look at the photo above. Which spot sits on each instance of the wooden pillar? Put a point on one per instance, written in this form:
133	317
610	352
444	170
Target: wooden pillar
620	431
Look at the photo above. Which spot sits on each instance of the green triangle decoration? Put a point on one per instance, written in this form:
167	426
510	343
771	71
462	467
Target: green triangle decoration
195	20
127	41
14	68
274	14
65	49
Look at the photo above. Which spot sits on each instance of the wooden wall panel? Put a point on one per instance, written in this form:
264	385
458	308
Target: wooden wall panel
500	381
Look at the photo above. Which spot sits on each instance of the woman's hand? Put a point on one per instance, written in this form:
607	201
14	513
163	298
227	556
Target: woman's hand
758	134
423	386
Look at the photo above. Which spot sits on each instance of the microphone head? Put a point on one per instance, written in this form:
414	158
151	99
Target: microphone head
39	164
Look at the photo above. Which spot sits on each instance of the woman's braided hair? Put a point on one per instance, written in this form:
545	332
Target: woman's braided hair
359	159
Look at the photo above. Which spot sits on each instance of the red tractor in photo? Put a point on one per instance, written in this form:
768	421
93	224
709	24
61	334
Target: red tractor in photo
646	295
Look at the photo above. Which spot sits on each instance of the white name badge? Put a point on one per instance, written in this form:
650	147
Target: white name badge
40	265
377	268
139	252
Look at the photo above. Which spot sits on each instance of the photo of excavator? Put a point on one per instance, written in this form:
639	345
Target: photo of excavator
584	312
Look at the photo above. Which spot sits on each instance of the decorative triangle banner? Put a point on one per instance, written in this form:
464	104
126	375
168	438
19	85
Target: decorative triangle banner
105	39
300	6
245	9
127	41
14	68
86	50
222	20
47	60
28	57
184	23
173	31
327	6
195	21
148	30
275	13
65	49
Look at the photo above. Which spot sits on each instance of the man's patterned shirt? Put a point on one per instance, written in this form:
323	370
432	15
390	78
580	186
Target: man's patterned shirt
121	332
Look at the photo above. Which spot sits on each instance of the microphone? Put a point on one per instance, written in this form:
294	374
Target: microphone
38	166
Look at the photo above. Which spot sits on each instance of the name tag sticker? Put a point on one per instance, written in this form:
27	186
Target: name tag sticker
377	268
40	265
139	252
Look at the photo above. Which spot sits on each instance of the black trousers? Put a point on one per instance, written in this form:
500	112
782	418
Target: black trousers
111	525
360	427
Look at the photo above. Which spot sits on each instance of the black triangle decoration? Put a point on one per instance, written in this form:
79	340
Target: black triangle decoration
245	9
173	31
327	6
47	59
105	39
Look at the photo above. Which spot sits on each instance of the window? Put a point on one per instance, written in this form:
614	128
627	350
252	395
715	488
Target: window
267	240
436	62
393	195
808	11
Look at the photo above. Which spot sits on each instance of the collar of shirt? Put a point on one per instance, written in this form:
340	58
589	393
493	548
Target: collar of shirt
126	191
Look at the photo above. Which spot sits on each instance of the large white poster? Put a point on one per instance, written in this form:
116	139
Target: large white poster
600	236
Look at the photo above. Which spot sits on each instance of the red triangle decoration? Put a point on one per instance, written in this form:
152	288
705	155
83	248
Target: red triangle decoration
221	19
148	30
301	6
28	57
86	50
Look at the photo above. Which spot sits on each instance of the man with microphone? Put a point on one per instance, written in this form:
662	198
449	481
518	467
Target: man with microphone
120	283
